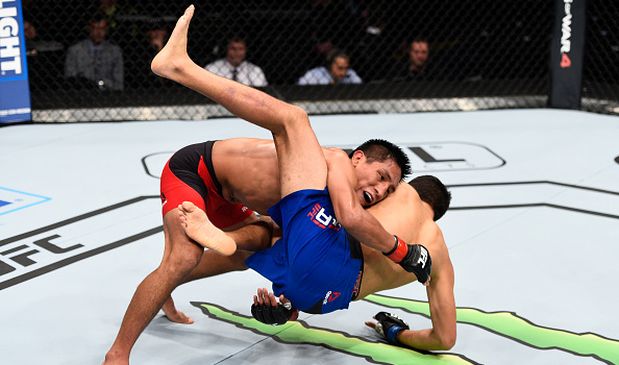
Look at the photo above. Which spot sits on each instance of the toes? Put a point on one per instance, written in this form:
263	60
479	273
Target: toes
189	10
188	207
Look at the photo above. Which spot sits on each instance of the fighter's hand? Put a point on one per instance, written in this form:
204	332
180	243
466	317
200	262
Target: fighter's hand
268	309
413	258
388	326
276	231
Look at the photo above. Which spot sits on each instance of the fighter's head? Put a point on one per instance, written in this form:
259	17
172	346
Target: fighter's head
432	191
380	166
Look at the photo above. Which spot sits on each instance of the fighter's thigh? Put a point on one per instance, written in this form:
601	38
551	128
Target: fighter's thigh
213	263
179	250
301	161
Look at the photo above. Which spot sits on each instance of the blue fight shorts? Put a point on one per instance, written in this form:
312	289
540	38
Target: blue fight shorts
316	264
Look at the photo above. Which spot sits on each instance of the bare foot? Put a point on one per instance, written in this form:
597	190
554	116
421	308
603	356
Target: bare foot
172	58
111	359
174	315
199	228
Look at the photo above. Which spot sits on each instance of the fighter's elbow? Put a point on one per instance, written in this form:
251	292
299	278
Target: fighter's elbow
446	341
348	217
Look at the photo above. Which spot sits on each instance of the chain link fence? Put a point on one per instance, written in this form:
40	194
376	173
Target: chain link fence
89	61
601	64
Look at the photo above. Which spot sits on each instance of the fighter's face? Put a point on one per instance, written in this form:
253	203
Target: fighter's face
375	180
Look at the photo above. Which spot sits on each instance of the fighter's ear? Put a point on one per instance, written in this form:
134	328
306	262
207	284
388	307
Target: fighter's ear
357	157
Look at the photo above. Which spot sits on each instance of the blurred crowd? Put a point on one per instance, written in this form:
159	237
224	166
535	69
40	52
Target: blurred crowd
108	44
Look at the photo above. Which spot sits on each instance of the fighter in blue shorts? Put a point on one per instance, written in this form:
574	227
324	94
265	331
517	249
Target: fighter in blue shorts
316	264
309	261
302	166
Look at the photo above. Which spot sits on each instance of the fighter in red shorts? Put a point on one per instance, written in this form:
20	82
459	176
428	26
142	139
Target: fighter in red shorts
255	173
189	176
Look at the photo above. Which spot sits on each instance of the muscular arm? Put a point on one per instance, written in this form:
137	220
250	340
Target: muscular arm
358	222
442	335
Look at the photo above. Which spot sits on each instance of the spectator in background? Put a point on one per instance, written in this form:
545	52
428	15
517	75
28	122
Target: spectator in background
96	59
44	58
235	66
35	45
337	71
418	53
416	67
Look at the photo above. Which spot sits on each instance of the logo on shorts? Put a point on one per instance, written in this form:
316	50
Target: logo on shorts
323	220
331	296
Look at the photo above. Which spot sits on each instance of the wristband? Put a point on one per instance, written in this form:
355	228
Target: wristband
399	251
392	334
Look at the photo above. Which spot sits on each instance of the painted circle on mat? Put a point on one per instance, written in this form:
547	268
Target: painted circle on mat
617	159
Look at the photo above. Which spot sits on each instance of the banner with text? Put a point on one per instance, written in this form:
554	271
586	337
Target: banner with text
14	90
568	43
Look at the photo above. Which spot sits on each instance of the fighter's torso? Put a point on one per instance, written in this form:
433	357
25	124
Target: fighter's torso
402	214
247	170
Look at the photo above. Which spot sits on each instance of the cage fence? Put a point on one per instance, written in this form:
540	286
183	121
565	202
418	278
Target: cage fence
90	61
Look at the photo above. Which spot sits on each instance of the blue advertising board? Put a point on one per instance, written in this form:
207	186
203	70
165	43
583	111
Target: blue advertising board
14	90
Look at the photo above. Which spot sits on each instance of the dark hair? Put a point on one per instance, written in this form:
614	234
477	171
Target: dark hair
419	39
98	17
432	191
236	39
336	53
381	150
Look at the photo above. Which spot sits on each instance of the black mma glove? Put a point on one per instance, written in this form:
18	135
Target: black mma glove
389	325
413	258
268	314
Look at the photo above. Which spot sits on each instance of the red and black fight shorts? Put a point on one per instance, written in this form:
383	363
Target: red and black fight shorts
189	176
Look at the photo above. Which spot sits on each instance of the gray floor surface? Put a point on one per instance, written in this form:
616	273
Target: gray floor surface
533	234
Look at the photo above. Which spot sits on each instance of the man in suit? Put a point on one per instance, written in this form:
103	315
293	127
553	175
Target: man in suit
236	67
96	59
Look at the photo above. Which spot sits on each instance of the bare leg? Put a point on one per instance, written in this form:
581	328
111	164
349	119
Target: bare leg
250	238
300	157
181	256
211	264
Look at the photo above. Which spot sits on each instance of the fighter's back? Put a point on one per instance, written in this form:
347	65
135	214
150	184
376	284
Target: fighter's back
248	172
402	213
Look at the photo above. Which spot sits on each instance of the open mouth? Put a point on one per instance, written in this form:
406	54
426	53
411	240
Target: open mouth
368	197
